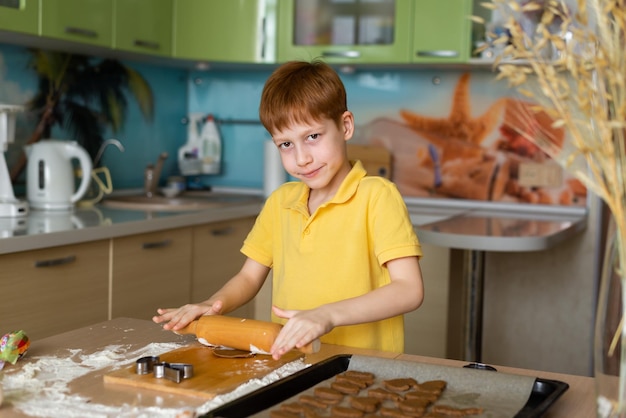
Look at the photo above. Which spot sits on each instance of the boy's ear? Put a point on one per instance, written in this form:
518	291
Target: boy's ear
348	124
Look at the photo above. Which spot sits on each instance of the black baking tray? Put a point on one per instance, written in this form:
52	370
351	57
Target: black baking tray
544	393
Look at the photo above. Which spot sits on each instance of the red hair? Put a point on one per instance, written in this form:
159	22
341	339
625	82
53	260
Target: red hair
299	91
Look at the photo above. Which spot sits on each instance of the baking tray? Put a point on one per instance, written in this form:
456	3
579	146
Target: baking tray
544	391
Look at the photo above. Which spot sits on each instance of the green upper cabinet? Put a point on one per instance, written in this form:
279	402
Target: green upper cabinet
144	26
20	16
442	31
241	31
88	21
349	31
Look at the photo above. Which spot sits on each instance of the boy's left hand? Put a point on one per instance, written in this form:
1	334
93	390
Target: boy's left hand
302	327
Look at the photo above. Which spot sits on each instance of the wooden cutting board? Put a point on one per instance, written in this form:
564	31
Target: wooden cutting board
212	375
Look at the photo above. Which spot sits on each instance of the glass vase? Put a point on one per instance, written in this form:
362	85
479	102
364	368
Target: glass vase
610	332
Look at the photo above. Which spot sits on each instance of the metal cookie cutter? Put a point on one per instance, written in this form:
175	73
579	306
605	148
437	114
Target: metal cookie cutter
145	365
173	371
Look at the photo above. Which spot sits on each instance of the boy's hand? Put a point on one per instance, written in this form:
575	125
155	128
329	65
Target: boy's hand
179	318
301	328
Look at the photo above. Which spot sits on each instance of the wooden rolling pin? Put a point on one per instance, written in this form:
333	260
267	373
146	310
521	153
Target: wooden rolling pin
240	333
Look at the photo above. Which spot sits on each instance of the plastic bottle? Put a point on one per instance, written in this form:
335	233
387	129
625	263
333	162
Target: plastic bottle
211	147
189	161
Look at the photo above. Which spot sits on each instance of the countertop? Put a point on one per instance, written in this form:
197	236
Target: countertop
62	375
447	223
43	229
494	226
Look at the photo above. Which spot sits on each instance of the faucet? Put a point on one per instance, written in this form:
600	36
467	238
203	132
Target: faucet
111	141
152	174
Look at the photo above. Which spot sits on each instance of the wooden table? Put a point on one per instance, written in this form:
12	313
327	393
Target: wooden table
134	334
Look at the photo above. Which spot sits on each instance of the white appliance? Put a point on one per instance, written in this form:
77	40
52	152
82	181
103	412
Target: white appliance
9	206
50	175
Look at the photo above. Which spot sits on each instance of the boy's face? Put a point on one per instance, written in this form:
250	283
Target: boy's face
315	152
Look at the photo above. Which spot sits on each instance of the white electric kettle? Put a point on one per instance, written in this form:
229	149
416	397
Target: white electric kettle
50	174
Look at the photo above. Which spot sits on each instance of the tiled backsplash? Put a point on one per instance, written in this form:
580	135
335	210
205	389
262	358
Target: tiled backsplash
380	100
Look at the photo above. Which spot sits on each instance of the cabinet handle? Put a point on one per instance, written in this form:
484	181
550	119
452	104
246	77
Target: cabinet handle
55	261
438	54
87	33
342	54
263	37
222	231
146	44
156	244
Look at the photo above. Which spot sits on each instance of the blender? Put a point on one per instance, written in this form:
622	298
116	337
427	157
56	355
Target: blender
10	207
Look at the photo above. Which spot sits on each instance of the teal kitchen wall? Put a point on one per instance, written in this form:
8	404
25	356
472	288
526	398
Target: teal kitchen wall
233	98
143	140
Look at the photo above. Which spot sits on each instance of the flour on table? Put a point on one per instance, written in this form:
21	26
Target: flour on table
39	387
252	385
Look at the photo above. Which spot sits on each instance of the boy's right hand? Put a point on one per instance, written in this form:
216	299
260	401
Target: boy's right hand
174	319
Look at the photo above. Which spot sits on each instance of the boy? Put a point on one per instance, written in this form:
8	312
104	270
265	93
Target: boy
344	253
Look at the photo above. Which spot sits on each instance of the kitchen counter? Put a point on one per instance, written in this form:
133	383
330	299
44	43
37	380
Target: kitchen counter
481	227
43	229
475	227
485	226
62	375
493	226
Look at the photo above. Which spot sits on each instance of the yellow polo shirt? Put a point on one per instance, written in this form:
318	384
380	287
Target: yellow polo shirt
336	253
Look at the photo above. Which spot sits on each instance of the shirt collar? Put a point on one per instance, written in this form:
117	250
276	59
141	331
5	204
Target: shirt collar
347	189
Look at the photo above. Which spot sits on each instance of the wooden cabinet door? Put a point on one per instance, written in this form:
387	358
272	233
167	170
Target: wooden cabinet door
216	258
144	26
225	30
50	291
151	271
20	16
375	31
87	21
442	31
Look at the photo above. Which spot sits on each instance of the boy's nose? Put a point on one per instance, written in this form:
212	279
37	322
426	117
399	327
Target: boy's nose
302	156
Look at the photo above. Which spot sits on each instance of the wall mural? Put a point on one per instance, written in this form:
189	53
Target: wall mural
473	157
453	140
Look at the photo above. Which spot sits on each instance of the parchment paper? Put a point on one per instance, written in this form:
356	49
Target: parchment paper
499	394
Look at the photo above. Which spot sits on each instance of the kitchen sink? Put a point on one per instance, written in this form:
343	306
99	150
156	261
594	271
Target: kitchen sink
187	201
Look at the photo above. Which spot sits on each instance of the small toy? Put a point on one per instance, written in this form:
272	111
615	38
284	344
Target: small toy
12	347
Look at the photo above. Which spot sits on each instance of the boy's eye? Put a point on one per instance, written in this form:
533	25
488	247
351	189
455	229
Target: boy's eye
314	136
284	145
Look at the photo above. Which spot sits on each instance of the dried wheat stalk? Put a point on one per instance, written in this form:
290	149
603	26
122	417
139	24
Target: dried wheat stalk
581	86
573	65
